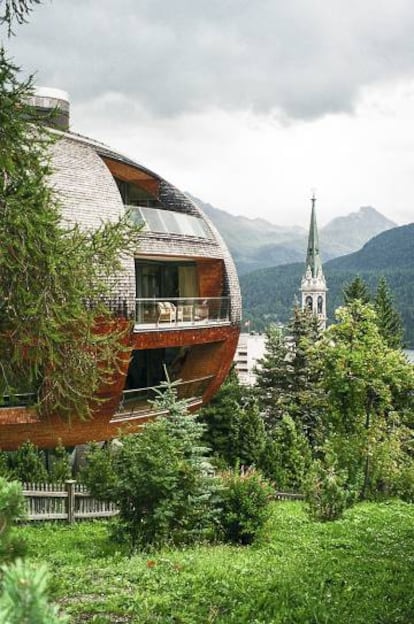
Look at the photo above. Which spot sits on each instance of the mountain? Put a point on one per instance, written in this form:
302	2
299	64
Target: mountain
268	294
353	231
257	243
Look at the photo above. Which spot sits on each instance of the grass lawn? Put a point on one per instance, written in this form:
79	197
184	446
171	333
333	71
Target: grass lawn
357	570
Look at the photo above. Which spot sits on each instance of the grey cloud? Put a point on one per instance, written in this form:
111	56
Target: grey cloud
304	58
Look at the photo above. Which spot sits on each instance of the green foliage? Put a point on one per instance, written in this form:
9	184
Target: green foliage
4	464
51	343
287	456
98	473
369	391
244	505
161	479
16	11
221	418
12	507
24	599
287	380
29	464
357	289
389	254
60	468
327	493
388	319
357	570
251	439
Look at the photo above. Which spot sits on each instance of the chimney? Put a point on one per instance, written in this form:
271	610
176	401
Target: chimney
53	106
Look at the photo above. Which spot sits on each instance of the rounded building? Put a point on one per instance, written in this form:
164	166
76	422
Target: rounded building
180	288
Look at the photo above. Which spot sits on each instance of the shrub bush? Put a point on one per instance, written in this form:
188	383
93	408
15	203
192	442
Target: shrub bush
98	473
24	599
161	479
327	492
60	468
164	486
11	507
28	464
245	501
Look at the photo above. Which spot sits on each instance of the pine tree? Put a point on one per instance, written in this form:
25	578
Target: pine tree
50	342
29	464
286	378
357	289
60	469
251	437
388	320
222	417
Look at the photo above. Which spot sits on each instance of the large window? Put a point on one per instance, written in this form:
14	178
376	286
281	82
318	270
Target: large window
147	367
165	280
169	222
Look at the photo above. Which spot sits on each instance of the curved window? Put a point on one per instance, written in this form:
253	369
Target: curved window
169	222
309	302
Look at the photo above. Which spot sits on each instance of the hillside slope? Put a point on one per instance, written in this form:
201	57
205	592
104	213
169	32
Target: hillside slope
268	294
257	243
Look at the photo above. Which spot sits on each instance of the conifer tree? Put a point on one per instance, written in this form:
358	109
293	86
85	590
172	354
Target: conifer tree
251	436
286	377
388	319
357	289
222	417
50	343
29	464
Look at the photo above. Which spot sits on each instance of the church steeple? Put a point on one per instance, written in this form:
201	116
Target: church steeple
313	286
313	259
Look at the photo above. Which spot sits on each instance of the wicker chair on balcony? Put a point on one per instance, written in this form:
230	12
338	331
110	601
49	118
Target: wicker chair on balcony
201	312
166	312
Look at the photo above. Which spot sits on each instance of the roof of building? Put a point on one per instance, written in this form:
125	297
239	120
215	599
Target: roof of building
313	259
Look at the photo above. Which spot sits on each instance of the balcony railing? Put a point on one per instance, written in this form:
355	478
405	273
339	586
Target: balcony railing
137	402
168	311
26	399
182	310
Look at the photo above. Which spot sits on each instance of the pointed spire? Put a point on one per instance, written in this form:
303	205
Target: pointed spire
313	259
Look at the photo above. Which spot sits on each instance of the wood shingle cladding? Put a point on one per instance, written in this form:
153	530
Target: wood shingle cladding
85	178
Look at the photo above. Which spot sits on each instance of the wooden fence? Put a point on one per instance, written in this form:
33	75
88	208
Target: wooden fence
68	501
71	501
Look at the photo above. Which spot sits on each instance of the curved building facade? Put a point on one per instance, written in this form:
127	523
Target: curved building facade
179	287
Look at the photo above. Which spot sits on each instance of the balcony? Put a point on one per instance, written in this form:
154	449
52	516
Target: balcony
169	312
177	312
136	403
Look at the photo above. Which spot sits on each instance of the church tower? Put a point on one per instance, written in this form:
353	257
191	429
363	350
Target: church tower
313	285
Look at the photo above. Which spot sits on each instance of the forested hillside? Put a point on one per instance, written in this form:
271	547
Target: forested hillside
257	243
268	294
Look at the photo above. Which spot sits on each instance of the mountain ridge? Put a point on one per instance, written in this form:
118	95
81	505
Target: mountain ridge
257	243
268	293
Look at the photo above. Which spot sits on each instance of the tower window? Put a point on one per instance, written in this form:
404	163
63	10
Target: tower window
320	304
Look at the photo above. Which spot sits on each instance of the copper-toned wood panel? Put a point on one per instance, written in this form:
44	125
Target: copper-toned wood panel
132	174
215	356
210	278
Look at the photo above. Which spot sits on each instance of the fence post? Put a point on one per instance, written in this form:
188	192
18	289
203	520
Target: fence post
70	488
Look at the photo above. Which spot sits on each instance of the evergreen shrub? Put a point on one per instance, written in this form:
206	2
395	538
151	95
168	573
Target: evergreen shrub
326	491
11	507
245	499
24	597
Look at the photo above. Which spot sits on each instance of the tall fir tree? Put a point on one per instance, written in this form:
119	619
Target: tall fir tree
286	378
50	342
388	319
357	289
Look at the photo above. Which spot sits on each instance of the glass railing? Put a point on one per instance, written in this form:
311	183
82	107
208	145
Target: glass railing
182	310
167	311
26	399
138	401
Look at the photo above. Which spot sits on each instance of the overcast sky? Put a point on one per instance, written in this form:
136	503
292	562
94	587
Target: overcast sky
248	104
